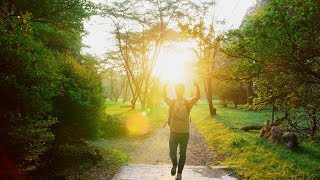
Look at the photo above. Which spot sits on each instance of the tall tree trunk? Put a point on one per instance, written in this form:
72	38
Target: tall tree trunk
134	101
145	93
213	111
111	88
314	128
250	93
224	103
125	93
133	104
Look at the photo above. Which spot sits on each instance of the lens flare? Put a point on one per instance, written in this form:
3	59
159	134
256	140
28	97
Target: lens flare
138	123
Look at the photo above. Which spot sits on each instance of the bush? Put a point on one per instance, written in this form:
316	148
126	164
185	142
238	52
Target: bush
253	107
81	102
113	126
82	159
76	157
29	140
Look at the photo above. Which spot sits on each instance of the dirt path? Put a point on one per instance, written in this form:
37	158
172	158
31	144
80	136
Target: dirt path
154	149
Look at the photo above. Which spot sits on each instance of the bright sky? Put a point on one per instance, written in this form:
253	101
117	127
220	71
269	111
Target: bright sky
99	40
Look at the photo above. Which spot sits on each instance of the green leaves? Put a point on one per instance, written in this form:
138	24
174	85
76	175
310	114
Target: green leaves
277	47
40	63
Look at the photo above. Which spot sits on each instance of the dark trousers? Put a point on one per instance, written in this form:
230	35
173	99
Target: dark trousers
180	139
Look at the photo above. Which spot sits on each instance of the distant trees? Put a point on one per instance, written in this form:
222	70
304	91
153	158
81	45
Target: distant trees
140	29
277	47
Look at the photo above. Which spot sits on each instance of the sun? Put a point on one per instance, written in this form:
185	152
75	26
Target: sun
173	64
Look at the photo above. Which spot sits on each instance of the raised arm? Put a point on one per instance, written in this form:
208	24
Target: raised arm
196	98
165	96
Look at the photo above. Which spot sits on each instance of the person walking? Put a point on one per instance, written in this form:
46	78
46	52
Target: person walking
179	121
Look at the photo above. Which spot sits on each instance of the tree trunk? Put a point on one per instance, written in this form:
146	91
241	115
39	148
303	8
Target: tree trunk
236	102
213	111
314	127
250	93
133	104
125	93
134	99
111	89
224	103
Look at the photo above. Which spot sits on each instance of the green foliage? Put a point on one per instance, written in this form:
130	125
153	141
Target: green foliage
276	48
252	107
77	159
231	91
81	101
30	139
113	126
29	80
40	65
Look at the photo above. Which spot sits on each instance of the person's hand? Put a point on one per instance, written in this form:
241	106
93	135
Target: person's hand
195	84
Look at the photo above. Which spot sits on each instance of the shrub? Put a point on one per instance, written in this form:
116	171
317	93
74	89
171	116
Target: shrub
113	126
29	140
82	159
253	107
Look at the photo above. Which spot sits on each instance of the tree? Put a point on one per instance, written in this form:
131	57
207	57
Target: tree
138	48
278	45
207	40
44	78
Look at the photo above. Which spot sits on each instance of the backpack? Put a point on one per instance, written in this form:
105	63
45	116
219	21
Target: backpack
171	111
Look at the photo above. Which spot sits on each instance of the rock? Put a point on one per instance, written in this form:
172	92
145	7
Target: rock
290	140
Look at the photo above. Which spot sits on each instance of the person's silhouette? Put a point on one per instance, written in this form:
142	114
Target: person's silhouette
178	121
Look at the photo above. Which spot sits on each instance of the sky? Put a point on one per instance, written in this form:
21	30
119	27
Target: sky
99	39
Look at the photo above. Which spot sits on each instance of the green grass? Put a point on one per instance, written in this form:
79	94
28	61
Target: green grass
249	155
156	117
117	108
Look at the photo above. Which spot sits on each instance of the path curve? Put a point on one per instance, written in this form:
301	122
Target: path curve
154	149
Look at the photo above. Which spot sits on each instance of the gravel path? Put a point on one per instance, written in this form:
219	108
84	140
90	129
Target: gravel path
154	148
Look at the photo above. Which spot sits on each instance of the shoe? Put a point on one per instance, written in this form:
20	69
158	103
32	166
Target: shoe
178	176
173	171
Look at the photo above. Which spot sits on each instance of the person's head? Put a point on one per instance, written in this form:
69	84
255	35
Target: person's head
179	88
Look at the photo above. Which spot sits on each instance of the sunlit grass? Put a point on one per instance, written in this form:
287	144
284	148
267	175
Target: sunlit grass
249	155
138	122
117	108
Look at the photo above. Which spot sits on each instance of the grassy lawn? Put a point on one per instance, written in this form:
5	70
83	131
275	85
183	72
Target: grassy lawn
153	118
249	155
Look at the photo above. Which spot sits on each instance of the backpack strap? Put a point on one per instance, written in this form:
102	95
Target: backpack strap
171	110
186	103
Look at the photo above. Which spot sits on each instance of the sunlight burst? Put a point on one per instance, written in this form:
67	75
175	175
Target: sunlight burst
173	64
